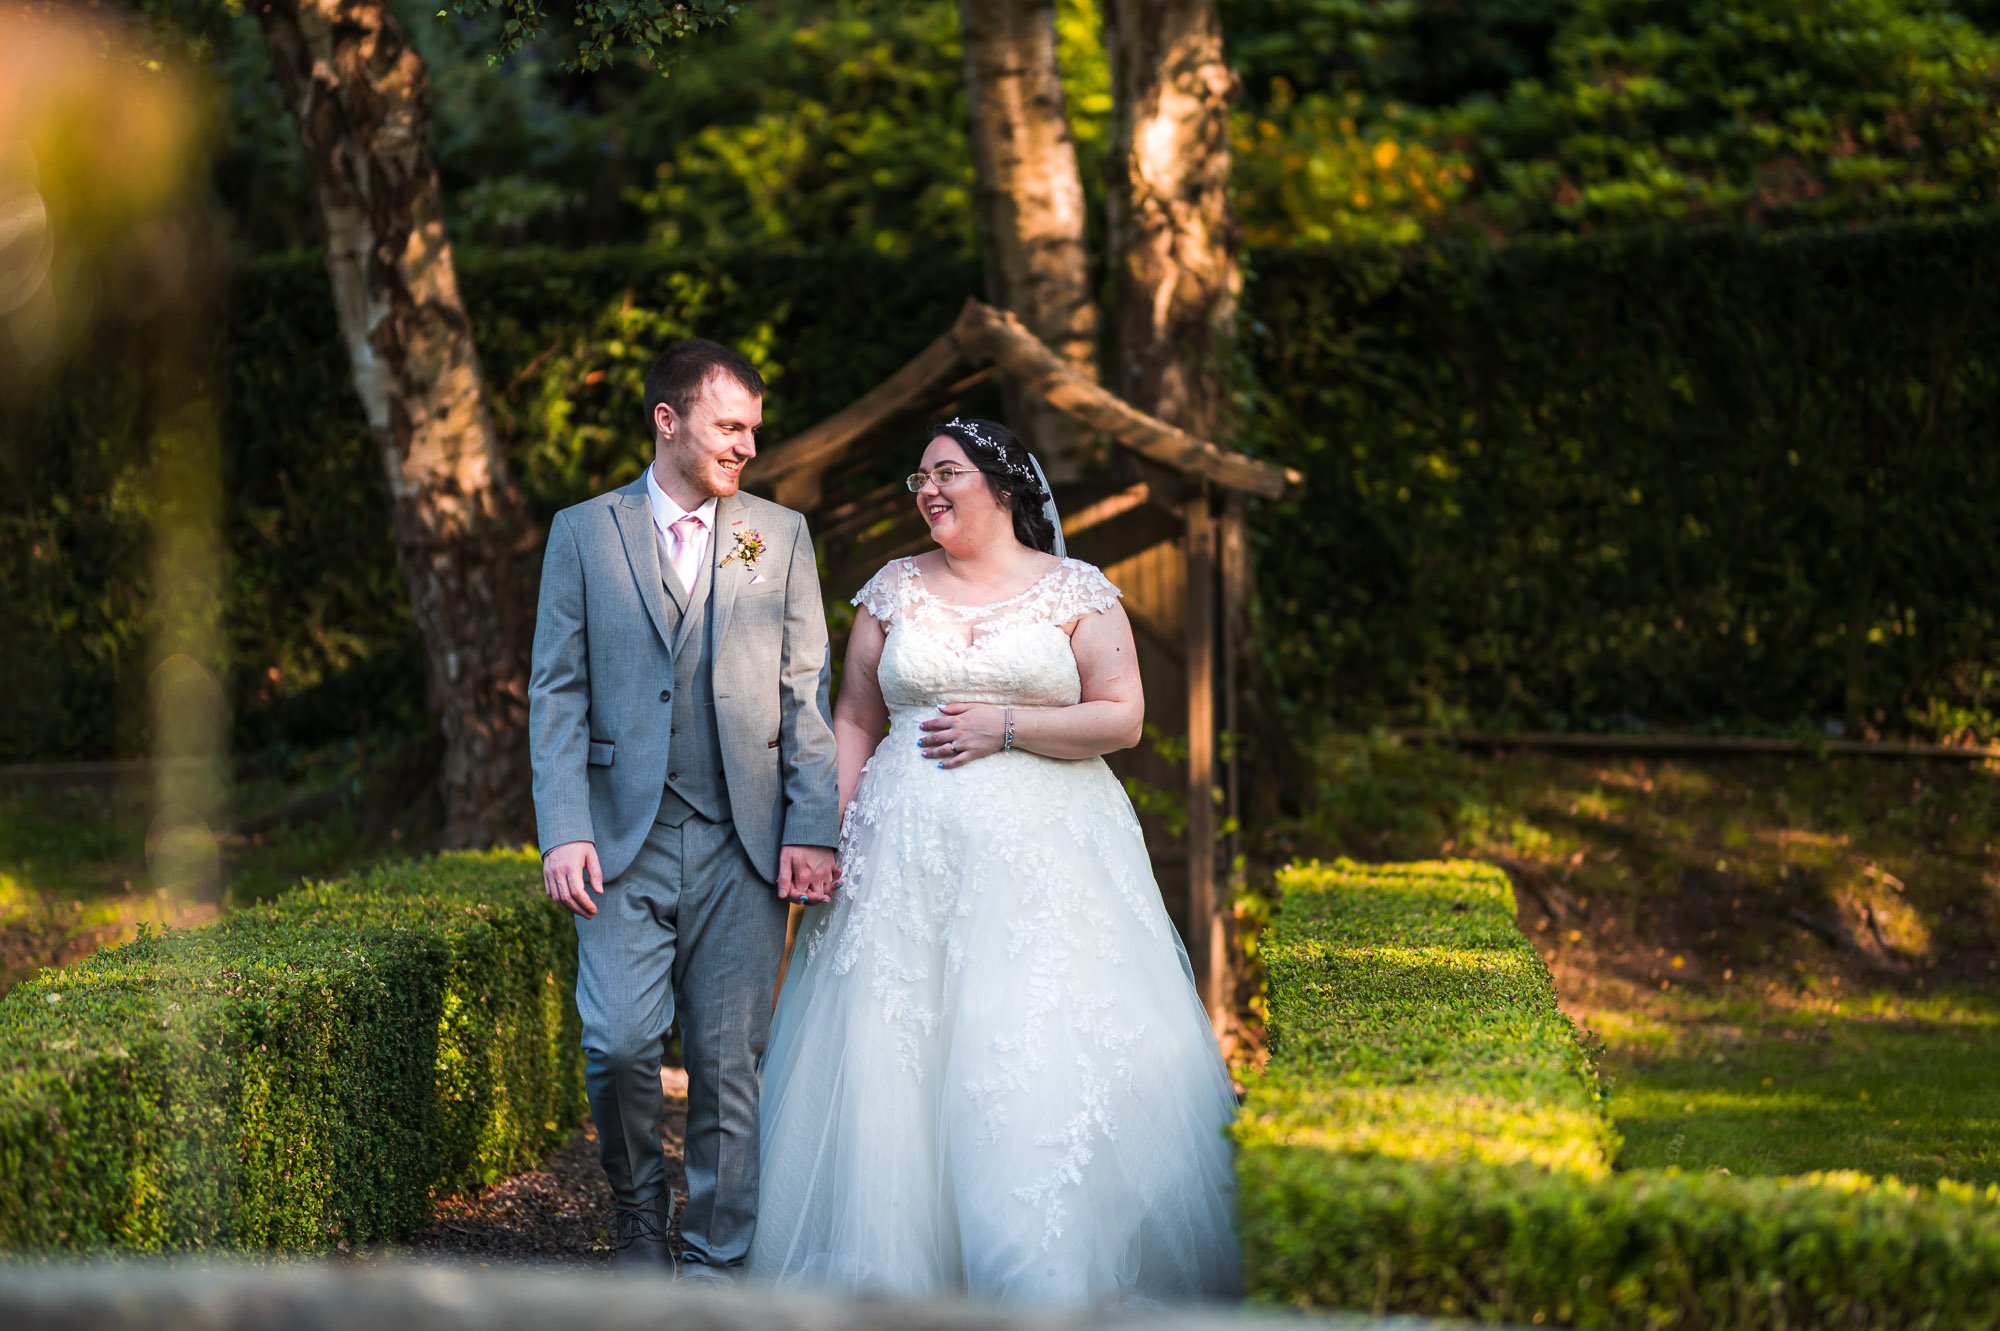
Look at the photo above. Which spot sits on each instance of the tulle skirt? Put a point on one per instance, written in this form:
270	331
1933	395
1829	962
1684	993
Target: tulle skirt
989	1072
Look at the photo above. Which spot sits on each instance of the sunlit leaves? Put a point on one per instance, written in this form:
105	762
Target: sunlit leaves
846	122
1573	115
649	28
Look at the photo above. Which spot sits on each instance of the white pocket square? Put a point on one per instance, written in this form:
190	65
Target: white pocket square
759	578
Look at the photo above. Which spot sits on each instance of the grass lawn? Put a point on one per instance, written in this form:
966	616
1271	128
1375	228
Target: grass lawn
1886	1085
73	863
73	876
1792	964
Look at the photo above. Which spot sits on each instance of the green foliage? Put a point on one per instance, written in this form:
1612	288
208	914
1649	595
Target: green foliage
321	642
1709	858
652	28
297	1076
1428	1138
566	340
1514	1244
1321	169
1408	1018
1720	480
1575	115
1715	109
1717	479
527	151
1732	1037
1869	1081
846	122
852	125
804	123
76	873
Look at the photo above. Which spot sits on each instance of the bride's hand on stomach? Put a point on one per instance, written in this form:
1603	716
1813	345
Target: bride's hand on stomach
1109	715
960	732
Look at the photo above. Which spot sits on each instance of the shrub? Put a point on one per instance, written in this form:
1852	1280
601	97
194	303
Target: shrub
299	1075
1715	479
1429	1138
1641	1250
1407	1011
321	643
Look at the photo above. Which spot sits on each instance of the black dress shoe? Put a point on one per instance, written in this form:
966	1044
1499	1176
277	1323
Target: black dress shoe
691	1269
639	1236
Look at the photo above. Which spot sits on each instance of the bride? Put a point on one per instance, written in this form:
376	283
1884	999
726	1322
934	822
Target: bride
989	1072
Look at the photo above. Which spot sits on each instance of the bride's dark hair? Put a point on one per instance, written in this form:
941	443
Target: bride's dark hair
1003	459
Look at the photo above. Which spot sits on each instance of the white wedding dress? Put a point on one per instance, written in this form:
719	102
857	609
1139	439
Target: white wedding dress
989	1072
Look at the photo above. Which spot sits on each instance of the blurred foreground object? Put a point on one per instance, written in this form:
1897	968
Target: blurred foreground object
103	255
351	1298
99	156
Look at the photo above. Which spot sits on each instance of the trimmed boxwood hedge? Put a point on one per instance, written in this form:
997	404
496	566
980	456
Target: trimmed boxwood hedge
1719	479
1454	1041
1429	1138
297	1076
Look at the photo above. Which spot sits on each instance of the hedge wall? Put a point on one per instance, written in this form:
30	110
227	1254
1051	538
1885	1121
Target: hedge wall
299	1075
1725	480
321	637
1429	1138
1712	480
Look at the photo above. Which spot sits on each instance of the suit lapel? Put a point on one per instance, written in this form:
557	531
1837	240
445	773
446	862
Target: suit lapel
727	580
642	551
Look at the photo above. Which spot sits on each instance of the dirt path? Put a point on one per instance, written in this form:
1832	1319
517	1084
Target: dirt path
559	1214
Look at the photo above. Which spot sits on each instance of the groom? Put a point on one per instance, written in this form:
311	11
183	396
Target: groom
684	792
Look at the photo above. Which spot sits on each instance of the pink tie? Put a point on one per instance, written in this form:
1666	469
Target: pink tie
681	539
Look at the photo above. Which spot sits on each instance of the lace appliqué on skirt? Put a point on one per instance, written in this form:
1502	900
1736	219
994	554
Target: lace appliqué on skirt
989	1071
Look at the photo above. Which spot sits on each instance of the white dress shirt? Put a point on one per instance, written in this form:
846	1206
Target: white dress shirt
666	512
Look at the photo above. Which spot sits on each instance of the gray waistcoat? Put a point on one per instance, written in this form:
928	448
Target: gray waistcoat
695	782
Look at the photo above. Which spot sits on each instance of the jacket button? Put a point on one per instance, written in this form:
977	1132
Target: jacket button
666	695
673	776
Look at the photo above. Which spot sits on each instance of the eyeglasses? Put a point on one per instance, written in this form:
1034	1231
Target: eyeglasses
944	476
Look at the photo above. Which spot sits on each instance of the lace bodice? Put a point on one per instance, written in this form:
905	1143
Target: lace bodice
1012	652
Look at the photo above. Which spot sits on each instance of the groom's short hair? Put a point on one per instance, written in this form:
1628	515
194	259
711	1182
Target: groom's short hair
683	370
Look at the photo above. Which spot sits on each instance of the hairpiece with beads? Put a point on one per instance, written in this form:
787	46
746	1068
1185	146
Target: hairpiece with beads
996	451
1033	482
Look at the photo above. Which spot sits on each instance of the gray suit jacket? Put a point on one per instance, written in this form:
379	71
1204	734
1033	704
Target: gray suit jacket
599	695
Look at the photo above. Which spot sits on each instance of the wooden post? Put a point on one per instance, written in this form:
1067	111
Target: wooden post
1205	937
1236	583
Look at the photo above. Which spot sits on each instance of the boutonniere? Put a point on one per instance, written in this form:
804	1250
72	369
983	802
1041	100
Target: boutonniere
749	548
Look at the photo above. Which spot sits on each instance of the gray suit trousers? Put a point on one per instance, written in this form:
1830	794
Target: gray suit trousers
691	928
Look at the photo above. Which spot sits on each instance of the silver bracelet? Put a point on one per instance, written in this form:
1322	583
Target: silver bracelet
1007	740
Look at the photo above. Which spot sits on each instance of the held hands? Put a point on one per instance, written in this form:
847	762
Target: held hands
566	870
807	875
960	732
570	873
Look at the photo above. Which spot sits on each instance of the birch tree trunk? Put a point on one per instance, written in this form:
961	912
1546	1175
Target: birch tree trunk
1176	286
1031	203
360	96
1173	239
